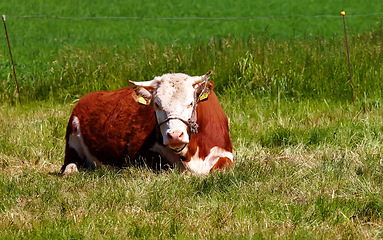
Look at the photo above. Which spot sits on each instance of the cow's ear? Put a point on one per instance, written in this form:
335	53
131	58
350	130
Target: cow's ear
142	95
204	90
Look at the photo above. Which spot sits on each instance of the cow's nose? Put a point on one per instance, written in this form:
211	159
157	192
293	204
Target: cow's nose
175	136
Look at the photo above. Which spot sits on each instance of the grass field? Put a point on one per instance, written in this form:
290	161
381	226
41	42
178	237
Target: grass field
309	164
308	170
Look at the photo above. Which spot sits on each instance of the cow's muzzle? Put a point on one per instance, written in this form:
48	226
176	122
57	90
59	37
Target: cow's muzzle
175	140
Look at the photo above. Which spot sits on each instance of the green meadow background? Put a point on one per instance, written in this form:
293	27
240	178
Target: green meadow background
308	162
44	34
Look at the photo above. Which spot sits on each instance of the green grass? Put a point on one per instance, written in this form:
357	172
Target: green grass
315	172
262	67
308	164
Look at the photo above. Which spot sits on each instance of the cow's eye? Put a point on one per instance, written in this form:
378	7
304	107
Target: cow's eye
190	105
157	105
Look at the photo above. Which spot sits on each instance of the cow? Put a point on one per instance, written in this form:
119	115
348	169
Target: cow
174	117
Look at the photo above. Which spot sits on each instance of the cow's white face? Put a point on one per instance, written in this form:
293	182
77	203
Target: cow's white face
173	104
172	96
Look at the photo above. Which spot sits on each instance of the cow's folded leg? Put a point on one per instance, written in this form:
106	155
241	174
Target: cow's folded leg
169	155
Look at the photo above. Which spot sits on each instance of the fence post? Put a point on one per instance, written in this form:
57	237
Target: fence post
343	13
10	53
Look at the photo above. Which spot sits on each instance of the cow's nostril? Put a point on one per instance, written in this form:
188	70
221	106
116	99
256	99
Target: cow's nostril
170	135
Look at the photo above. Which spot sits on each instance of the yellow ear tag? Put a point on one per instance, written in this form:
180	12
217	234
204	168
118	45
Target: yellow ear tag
142	100
203	96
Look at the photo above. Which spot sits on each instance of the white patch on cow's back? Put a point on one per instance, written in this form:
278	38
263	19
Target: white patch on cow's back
76	141
203	166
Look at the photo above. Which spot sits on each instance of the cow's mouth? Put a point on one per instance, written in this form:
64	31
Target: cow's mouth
177	147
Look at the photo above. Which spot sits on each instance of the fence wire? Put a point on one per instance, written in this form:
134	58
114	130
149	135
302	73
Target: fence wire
193	18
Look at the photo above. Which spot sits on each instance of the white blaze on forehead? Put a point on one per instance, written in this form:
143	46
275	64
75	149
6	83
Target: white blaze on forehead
174	92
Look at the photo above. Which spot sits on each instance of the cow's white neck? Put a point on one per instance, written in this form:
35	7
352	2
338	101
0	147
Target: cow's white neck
203	166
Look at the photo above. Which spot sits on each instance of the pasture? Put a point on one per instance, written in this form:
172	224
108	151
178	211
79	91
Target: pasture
309	164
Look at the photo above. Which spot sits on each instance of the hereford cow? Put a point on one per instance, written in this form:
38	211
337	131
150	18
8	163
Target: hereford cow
187	128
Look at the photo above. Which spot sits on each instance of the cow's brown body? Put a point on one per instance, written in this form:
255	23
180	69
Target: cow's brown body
114	128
